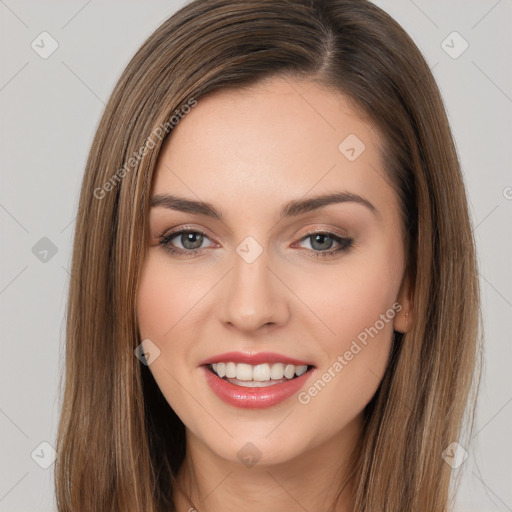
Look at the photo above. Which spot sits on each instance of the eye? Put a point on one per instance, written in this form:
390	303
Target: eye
323	241
190	240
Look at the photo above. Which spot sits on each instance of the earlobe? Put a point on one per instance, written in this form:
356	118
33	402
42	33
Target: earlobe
405	316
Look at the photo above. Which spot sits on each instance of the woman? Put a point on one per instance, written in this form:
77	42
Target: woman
274	300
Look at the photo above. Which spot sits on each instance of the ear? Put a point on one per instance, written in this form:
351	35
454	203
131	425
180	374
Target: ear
404	318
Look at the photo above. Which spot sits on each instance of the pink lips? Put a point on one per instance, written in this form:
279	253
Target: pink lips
254	397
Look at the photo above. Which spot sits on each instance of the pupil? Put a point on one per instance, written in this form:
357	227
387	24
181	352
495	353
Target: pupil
189	237
322	237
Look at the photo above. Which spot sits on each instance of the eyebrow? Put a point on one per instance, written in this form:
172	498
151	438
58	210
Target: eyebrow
291	209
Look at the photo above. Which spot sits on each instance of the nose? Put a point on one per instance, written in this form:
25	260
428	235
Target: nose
253	297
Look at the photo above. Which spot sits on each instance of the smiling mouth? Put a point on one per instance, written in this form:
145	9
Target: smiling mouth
257	376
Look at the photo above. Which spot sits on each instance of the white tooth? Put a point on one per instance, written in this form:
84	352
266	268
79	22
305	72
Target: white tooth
230	370
277	371
221	369
258	373
300	370
289	371
243	371
261	372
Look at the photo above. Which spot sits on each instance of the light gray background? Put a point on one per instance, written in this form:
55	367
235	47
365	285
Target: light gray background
50	109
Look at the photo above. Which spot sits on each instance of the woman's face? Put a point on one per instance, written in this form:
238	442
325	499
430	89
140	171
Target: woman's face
259	279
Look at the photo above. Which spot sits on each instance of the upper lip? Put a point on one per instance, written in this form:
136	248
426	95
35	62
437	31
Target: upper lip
254	359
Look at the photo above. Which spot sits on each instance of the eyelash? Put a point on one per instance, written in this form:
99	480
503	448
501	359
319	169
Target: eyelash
345	243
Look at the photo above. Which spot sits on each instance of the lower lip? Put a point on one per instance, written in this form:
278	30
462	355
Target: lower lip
254	398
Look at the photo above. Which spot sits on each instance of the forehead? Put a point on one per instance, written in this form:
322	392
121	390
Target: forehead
279	139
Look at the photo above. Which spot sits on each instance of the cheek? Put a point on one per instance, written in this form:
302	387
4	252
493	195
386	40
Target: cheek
352	296
159	310
154	301
368	292
160	314
356	300
166	297
358	303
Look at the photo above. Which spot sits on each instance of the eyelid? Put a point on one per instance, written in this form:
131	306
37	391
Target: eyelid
340	239
175	231
327	230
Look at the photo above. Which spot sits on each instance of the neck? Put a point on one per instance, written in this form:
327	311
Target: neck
311	481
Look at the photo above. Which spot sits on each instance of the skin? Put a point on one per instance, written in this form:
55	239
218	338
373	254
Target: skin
247	152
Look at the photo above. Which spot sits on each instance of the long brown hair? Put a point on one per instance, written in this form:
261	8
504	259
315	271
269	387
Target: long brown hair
120	444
